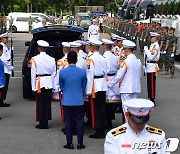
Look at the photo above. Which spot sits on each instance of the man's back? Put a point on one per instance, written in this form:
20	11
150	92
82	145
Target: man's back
72	83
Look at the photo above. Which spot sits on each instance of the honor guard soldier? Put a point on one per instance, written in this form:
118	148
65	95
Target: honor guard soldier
96	74
94	31
61	63
2	75
42	74
6	57
171	52
81	63
120	45
112	94
136	136
151	57
129	74
115	48
82	52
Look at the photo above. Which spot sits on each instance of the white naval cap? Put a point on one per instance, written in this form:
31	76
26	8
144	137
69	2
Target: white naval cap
107	41
4	35
75	44
128	44
113	36
95	42
153	34
138	106
66	44
42	43
120	38
94	20
82	42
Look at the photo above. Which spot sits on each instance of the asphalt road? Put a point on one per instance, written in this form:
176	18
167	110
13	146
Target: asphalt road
18	134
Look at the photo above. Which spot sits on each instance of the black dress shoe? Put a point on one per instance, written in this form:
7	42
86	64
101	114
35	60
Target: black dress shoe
97	136
69	146
4	105
0	118
81	146
41	126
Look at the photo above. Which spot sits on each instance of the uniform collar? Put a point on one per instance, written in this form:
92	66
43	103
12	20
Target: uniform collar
106	52
42	53
133	132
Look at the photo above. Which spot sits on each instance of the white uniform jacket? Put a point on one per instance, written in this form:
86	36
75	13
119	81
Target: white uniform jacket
98	67
60	64
123	140
112	67
42	64
6	59
128	75
81	62
82	54
93	32
150	58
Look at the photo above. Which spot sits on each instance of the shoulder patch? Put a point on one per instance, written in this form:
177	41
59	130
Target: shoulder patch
154	130
118	131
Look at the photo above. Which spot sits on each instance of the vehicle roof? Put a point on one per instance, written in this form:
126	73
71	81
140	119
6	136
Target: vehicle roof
58	27
82	14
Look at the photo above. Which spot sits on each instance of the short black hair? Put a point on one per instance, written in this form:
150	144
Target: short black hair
72	57
172	28
1	47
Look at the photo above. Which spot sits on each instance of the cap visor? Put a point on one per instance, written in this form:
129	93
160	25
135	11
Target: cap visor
139	120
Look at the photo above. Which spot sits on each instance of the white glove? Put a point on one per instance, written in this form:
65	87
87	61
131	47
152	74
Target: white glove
172	55
145	48
133	38
144	40
140	39
10	49
12	68
128	34
164	52
123	32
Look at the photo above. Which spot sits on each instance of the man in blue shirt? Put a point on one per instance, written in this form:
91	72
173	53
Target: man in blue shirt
72	82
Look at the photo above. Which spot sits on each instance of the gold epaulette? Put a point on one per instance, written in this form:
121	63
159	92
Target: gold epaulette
154	130
119	131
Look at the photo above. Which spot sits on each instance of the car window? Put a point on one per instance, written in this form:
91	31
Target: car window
22	19
85	18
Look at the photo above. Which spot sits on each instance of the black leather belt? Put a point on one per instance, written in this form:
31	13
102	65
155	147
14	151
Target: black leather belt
98	77
111	74
151	61
42	75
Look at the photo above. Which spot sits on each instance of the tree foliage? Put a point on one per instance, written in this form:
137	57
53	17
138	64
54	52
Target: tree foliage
52	6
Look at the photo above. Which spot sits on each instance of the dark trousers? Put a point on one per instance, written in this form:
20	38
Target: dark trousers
5	88
151	85
101	27
74	113
43	105
100	110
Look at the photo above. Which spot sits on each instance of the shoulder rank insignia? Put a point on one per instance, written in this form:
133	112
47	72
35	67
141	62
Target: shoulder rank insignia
119	131
154	130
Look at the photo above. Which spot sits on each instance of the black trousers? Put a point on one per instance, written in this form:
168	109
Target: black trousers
74	113
43	105
100	110
151	85
5	88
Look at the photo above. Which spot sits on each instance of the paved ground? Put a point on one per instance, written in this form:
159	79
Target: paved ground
18	135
